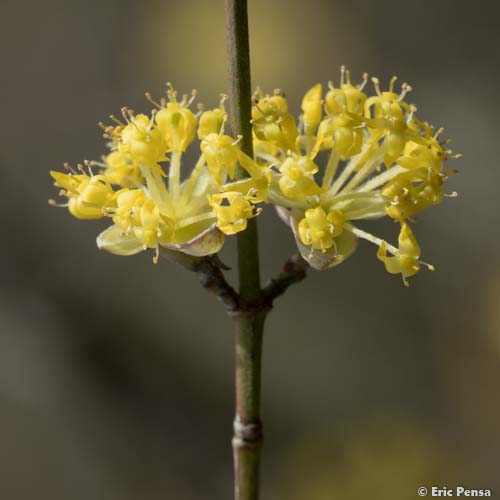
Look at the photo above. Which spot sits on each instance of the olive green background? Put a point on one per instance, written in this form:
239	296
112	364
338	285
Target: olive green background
116	374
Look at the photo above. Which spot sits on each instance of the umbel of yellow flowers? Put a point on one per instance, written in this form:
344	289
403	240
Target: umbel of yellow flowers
381	161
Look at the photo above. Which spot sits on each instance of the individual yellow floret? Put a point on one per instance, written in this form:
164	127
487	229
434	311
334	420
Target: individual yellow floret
232	210
177	125
318	228
272	122
405	262
312	108
221	154
211	122
138	214
142	141
347	98
412	191
297	177
120	170
87	195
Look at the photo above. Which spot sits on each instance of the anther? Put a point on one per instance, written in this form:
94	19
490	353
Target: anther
376	84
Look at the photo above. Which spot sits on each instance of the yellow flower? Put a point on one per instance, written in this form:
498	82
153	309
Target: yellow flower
232	210
88	195
382	161
412	191
342	133
312	108
405	259
177	124
221	154
297	179
319	229
212	122
347	98
182	214
139	214
272	122
120	170
142	141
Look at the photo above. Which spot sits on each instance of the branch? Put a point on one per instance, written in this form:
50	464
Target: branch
209	272
294	271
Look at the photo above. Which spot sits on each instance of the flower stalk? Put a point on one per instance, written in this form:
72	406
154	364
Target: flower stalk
249	321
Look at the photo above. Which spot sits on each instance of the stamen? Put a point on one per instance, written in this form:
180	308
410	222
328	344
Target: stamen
376	85
405	88
194	93
126	114
116	120
149	97
427	265
53	203
342	75
98	164
391	83
89	168
151	121
67	166
223	99
439	132
361	86
171	93
454	194
413	110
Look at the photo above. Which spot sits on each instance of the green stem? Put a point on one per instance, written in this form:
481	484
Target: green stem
249	321
247	438
240	109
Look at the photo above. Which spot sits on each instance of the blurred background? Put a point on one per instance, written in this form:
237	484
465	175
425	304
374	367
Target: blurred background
116	374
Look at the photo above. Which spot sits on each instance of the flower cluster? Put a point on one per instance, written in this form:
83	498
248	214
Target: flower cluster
191	215
380	160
